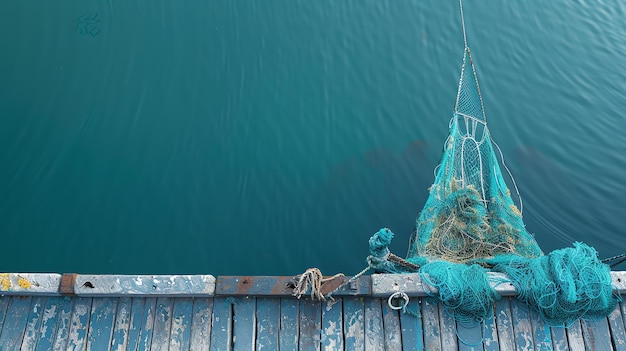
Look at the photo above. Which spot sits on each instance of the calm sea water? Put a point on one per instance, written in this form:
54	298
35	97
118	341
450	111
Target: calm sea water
247	137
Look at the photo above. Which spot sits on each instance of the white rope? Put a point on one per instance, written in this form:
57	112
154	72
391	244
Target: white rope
521	202
463	23
312	279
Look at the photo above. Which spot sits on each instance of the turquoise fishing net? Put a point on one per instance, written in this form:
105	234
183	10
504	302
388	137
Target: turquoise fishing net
470	225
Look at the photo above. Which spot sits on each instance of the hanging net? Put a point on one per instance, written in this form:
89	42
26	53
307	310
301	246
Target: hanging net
470	225
469	213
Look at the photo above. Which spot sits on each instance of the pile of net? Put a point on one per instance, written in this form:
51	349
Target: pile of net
470	225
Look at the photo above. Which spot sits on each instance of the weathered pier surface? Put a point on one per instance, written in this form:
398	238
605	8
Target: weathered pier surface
89	312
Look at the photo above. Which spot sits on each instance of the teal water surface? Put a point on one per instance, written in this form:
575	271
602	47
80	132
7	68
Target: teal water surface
266	137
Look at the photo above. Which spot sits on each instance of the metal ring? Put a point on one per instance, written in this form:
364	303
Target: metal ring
398	294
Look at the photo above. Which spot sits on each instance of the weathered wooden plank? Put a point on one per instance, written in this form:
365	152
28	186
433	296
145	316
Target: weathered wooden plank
201	324
180	334
288	334
49	322
121	327
521	325
411	323
33	325
448	329
489	327
101	323
30	284
430	317
596	334
144	285
14	322
79	324
374	332
622	306
504	323
162	324
575	337
267	323
470	336
310	325
616	325
618	281
138	304
559	338
4	303
63	326
282	286
244	330
542	337
391	327
412	284
353	323
221	332
332	325
147	324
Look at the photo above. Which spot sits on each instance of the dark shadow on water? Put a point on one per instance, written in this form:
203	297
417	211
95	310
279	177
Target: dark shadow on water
557	209
379	188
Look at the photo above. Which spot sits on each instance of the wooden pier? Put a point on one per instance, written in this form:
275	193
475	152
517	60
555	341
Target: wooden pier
89	312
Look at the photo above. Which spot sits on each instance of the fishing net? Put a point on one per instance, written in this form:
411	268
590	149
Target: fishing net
469	213
470	224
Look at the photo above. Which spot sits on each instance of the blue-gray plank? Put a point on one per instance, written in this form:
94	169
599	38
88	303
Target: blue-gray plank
268	323
101	323
284	323
180	334
310	325
221	330
411	323
244	330
332	326
353	319
15	322
289	332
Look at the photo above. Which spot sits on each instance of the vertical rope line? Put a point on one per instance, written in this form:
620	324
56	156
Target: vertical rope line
463	24
467	52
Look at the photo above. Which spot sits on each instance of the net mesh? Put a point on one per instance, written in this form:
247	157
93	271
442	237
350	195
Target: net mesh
469	213
470	225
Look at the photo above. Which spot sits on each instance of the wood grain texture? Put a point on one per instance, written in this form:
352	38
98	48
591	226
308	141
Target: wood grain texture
354	323
332	325
79	324
310	325
596	334
616	326
504	323
391	327
411	324
201	324
289	332
374	332
267	323
432	327
521	325
101	323
221	331
244	329
180	333
121	326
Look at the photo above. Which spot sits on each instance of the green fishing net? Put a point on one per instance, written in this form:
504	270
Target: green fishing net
470	225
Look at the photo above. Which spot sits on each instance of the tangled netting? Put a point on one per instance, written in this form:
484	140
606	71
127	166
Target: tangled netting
563	286
469	213
470	224
463	289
